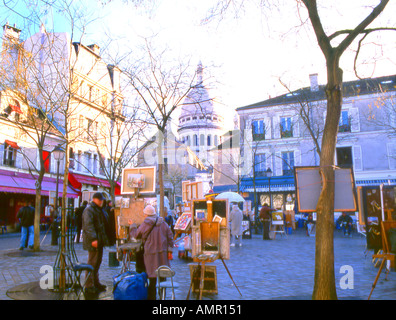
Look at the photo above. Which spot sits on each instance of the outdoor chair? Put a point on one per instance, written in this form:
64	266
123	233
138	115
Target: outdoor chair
165	272
74	271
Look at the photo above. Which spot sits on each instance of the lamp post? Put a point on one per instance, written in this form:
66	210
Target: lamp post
268	173
59	154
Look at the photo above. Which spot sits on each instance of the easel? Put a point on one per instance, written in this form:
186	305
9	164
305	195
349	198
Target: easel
277	224
386	255
207	256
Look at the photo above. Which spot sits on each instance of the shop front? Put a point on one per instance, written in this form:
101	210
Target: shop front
279	192
17	189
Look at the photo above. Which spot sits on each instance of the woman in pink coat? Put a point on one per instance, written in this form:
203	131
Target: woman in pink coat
157	238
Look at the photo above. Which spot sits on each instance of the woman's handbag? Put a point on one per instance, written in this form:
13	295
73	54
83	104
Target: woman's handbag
139	256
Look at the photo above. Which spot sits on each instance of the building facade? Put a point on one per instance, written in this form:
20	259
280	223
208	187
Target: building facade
54	93
284	132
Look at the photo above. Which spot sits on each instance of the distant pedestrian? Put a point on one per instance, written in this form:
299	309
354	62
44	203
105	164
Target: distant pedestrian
170	220
78	217
236	217
94	239
26	217
265	218
345	221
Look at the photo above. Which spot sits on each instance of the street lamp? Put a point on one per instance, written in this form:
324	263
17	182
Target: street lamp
59	154
268	173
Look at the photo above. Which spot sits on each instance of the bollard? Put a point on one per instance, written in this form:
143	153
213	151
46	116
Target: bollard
113	262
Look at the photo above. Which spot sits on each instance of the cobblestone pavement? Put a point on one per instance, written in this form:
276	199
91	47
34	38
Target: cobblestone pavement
281	269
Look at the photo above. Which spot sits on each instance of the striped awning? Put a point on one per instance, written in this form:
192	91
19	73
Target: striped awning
375	182
273	184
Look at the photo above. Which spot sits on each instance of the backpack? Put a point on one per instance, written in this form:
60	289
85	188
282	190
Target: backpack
130	285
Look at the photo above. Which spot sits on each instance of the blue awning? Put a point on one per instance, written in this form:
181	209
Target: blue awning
225	188
282	183
375	182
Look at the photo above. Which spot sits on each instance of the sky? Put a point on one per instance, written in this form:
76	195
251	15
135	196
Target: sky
247	55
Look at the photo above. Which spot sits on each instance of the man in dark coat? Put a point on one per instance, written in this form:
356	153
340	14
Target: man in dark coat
79	213
265	218
26	217
94	239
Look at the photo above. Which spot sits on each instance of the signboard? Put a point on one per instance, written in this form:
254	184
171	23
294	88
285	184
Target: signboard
142	178
309	186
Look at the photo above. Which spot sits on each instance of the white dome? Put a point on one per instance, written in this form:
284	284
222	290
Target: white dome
198	109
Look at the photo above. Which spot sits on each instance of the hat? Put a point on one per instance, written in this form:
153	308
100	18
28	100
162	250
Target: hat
98	195
149	211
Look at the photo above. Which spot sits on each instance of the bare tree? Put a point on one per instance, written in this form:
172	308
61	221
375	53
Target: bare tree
324	287
161	87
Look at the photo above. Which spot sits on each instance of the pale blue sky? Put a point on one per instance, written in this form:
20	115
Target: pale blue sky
251	53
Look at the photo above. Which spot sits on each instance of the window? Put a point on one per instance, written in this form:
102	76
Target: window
195	140
90	130
216	141
286	127
287	163
209	140
202	140
71	159
260	164
90	93
258	130
87	162
95	164
10	153
345	122
344	157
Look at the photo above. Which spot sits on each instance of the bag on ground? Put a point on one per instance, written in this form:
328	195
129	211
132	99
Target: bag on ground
130	285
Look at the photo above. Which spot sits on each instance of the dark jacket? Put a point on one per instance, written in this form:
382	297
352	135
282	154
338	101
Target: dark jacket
157	238
26	216
265	213
78	215
93	226
347	218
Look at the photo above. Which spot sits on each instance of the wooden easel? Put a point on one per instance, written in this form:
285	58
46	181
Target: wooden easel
202	259
386	255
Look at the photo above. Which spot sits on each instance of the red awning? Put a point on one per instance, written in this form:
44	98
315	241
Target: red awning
74	182
15	108
12	144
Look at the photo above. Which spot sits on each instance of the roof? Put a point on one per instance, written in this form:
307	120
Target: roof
350	89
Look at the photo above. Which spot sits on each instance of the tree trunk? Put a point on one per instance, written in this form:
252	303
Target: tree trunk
37	206
324	288
161	175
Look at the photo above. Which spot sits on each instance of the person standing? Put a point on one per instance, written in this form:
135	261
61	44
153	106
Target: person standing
265	218
94	240
157	239
26	217
236	217
79	213
111	229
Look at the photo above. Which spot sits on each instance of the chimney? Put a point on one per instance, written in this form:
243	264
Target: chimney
314	82
11	31
115	75
95	48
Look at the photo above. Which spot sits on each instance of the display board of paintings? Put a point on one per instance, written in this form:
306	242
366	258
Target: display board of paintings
140	178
